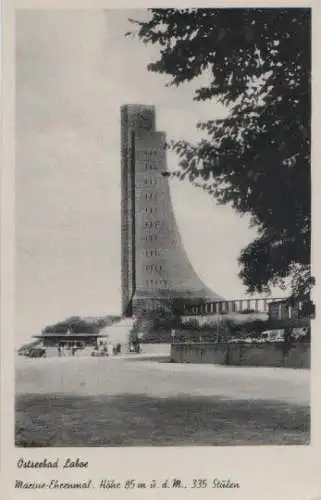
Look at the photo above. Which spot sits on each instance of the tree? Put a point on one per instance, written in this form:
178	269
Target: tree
77	325
257	159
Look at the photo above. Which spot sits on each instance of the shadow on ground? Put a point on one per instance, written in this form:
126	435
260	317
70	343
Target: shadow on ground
158	358
138	420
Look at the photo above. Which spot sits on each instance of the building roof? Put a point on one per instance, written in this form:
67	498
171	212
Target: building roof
65	336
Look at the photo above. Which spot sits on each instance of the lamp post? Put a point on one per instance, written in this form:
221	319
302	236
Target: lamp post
218	325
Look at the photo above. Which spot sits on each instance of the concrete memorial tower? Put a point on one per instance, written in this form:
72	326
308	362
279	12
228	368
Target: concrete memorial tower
154	265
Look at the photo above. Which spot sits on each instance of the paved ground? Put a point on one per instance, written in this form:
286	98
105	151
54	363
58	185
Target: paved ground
136	400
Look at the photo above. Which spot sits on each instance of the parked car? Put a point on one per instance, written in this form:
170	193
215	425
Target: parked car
249	340
273	336
23	352
36	352
300	333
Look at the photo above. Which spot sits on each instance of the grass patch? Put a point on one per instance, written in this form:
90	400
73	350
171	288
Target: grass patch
138	420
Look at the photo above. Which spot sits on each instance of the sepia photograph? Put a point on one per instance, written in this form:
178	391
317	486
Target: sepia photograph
164	291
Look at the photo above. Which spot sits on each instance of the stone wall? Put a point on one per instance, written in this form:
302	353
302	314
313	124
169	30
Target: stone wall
154	348
242	354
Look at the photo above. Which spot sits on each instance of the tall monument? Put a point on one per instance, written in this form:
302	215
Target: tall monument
154	265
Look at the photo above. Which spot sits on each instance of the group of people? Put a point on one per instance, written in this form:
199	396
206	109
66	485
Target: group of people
104	348
101	348
68	349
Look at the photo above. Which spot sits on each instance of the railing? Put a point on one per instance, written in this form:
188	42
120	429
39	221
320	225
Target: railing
276	308
233	306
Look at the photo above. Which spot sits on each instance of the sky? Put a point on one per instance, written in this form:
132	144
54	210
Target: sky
74	69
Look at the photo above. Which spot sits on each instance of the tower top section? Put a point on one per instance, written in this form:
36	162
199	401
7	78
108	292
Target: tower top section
139	117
